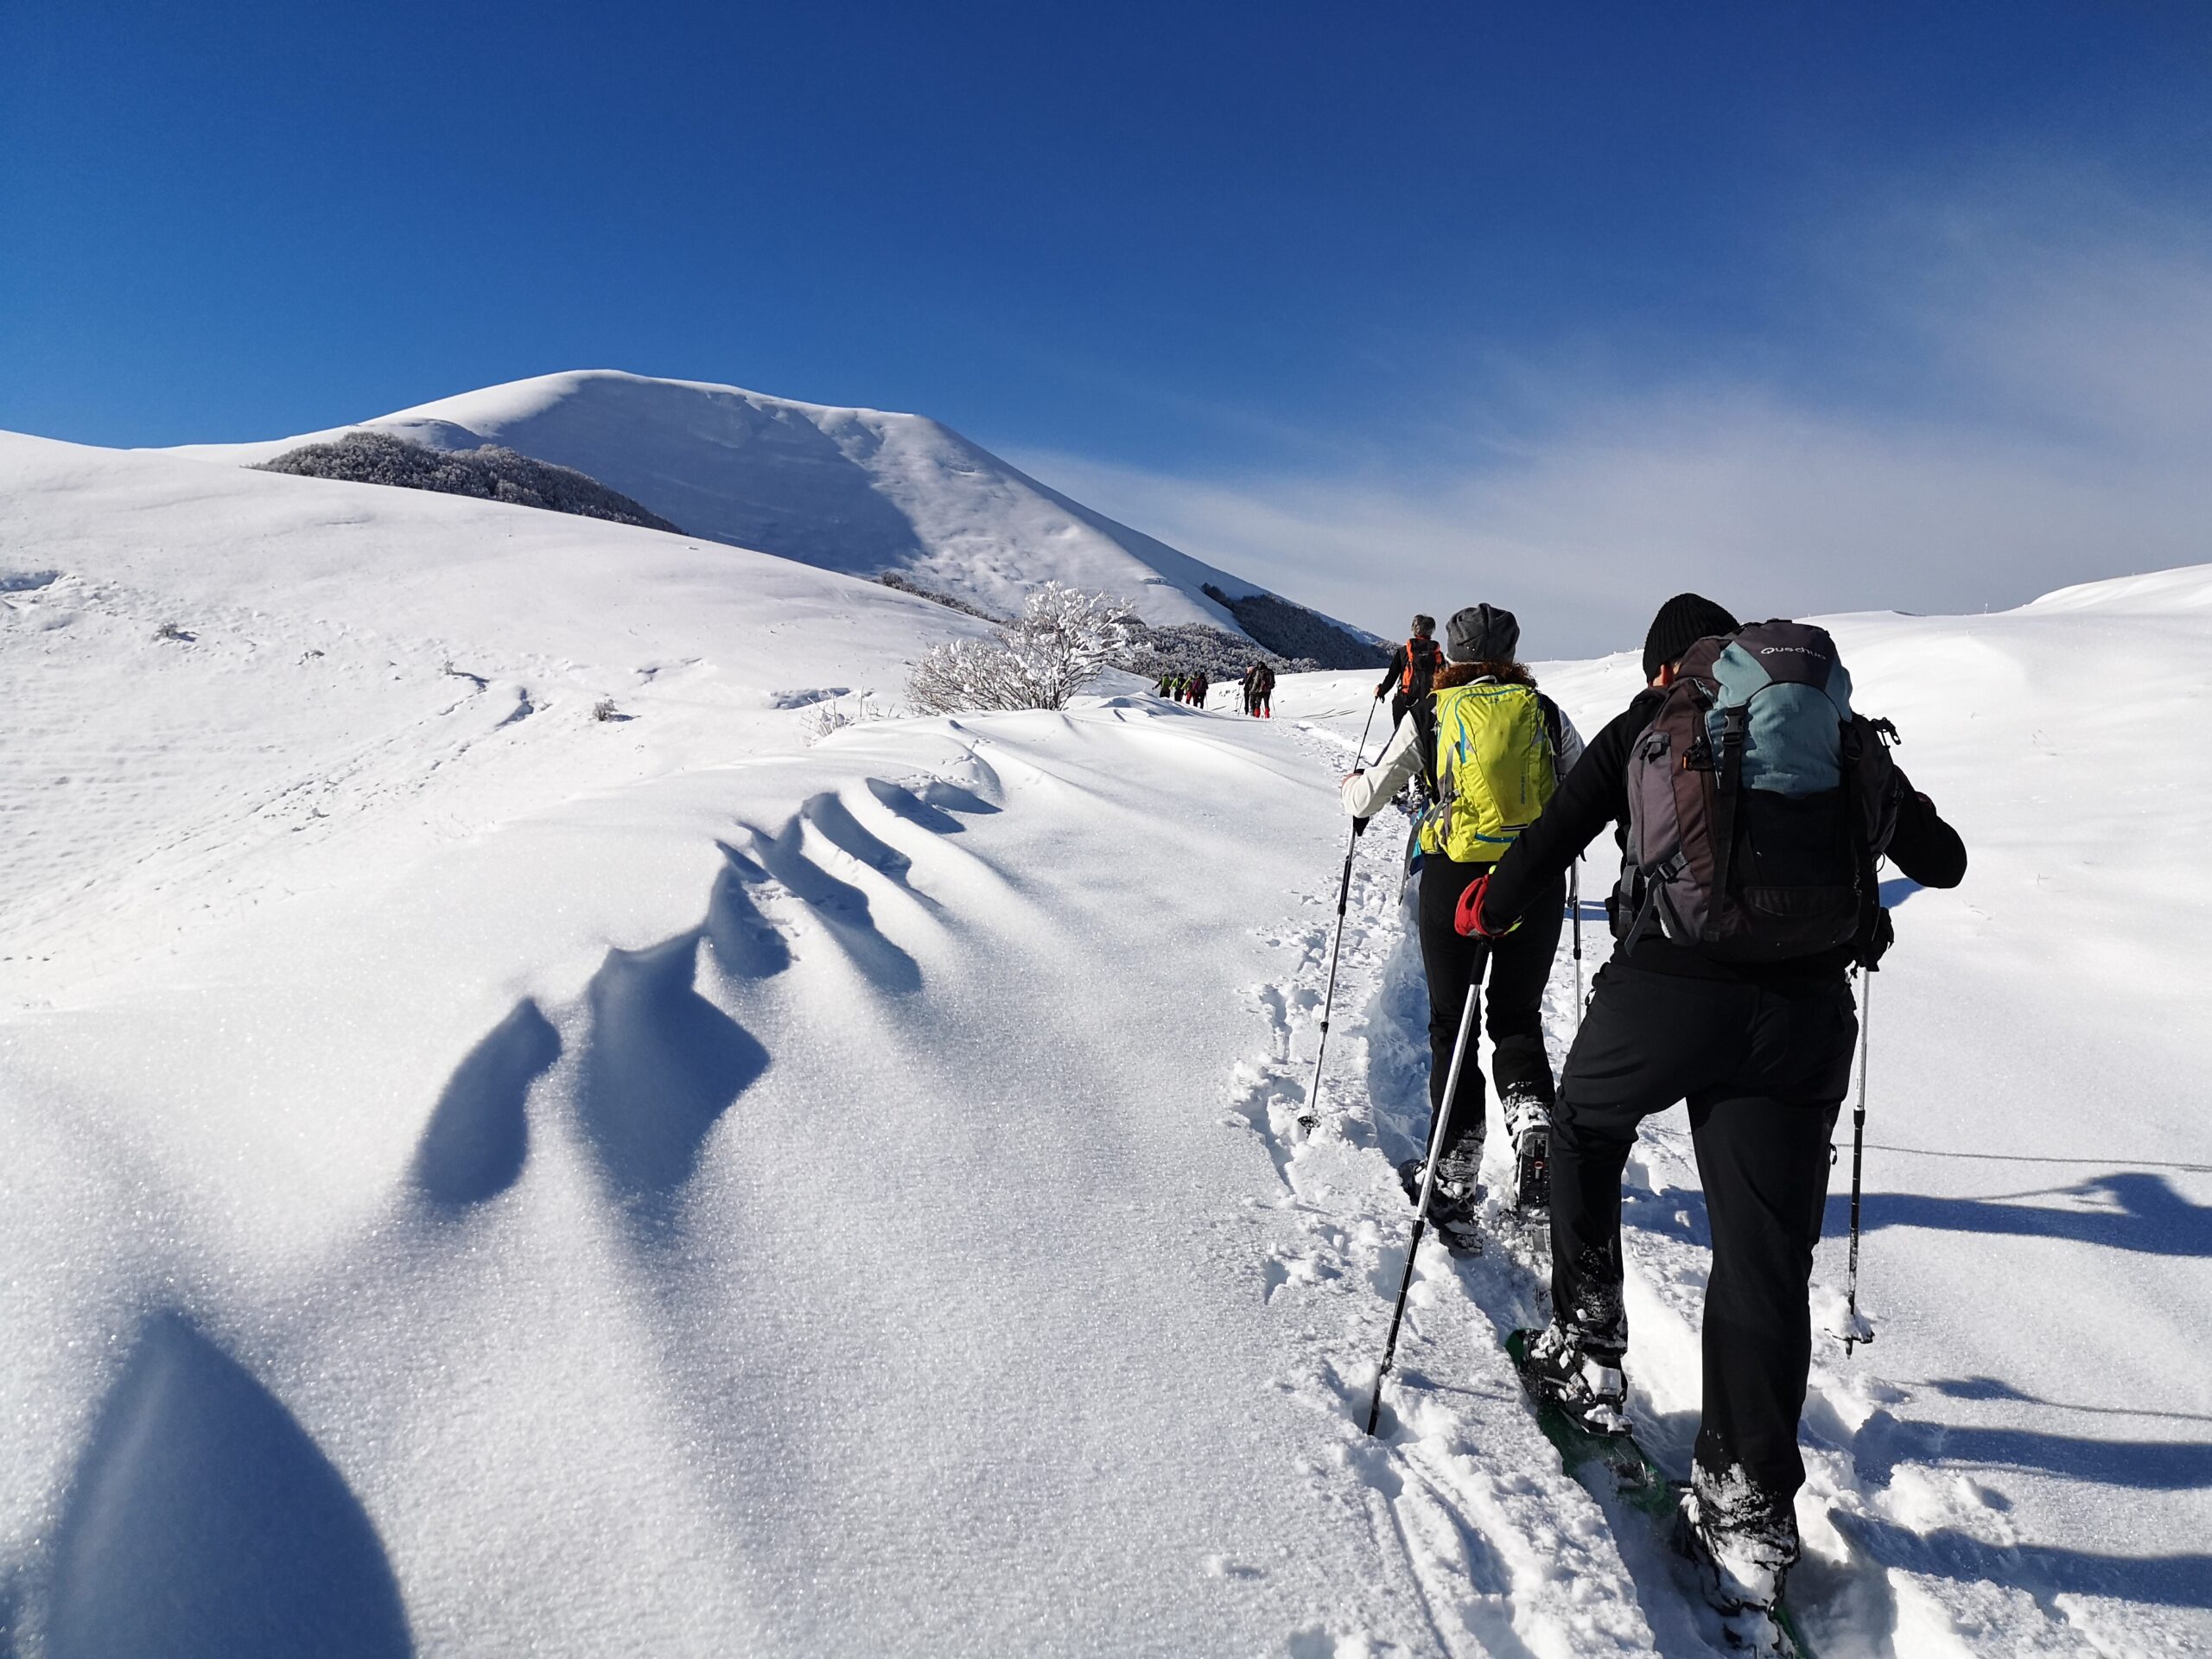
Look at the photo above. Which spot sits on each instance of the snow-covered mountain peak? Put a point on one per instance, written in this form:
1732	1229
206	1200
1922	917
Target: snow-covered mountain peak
862	490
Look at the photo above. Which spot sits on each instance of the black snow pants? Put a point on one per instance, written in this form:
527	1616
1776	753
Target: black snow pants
1519	965
1400	702
1764	1068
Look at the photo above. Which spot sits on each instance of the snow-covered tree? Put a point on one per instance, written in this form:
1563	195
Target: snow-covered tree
1062	642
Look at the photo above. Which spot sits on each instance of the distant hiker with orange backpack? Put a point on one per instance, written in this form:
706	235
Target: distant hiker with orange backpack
1500	748
1412	669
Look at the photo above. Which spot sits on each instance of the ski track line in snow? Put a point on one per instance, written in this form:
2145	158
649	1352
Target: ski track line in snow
1508	1554
175	815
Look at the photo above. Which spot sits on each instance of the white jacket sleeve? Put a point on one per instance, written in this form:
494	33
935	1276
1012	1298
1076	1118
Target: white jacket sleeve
1366	793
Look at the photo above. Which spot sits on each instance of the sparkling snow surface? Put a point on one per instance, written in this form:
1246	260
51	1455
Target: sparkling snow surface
480	1179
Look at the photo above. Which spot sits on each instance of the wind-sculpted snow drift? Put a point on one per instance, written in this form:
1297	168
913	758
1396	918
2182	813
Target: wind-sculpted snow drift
582	1187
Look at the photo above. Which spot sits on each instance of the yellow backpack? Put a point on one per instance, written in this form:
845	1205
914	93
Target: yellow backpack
1495	770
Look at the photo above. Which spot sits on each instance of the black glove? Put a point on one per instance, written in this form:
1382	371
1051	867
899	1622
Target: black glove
1876	935
1358	828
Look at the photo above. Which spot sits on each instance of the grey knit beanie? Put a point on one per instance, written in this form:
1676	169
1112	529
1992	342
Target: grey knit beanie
1481	633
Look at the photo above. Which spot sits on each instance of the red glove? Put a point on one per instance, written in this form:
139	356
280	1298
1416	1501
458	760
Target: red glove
1469	919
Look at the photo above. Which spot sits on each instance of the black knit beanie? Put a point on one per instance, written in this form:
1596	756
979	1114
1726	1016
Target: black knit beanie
1481	633
1681	622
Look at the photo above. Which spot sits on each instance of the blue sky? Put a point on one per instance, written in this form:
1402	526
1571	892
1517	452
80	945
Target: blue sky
1883	305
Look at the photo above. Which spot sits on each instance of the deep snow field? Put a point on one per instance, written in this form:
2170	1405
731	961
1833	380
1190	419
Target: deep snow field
476	1178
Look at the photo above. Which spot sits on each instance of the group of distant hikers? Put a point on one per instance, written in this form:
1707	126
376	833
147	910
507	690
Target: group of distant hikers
1751	806
1178	687
1259	689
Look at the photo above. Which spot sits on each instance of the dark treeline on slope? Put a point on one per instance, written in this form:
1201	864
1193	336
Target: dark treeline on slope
1292	631
893	578
490	473
1160	648
1194	648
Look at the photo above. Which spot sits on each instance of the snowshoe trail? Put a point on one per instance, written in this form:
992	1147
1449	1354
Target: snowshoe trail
1900	1557
1505	1552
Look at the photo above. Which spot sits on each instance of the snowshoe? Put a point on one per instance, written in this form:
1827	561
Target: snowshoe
1592	1393
1454	1208
1614	1467
1743	1546
1529	1121
1532	1172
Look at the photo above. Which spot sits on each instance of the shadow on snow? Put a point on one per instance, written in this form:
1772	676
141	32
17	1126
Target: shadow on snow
204	1521
2127	1210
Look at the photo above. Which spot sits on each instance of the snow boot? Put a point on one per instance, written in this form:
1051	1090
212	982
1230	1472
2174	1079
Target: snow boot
1528	1125
1590	1389
1742	1542
1455	1205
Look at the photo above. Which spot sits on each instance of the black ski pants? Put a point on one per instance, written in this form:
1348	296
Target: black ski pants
1400	702
1518	965
1764	1068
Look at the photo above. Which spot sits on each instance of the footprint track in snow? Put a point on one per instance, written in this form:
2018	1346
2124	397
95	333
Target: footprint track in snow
1891	1539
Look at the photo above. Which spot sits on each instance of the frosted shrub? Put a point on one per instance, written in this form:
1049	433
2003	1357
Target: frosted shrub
1062	642
834	716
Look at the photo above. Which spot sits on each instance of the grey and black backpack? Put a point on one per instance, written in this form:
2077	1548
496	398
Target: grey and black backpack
1758	804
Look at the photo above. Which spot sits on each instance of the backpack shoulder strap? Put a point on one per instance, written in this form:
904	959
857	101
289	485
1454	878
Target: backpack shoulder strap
1735	722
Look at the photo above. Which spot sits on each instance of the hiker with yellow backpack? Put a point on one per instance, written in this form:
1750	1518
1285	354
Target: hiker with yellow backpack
1500	750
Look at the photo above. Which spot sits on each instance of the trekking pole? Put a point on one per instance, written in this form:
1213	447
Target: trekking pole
1574	900
1311	1115
1855	1328
1427	1186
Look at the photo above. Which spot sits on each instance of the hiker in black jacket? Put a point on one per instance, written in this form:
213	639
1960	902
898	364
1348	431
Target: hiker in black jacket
1411	670
1762	1053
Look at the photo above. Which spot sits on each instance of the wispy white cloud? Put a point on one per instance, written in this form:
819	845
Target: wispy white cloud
2018	395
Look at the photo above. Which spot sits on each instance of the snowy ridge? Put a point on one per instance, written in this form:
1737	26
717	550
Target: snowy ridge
2161	591
856	489
356	675
482	1179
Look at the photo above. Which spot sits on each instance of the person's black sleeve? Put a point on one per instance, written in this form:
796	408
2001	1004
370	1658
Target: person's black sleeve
1924	846
1594	795
1396	672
